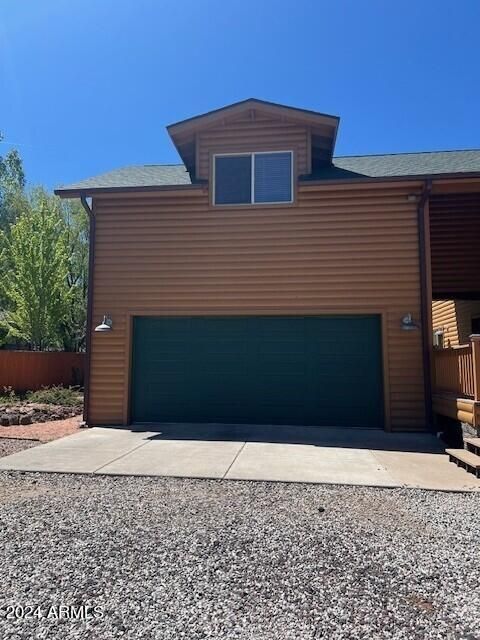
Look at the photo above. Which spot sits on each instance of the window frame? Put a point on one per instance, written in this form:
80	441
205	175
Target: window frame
252	155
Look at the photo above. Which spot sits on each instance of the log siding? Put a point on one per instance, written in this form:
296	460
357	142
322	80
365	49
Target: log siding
444	319
454	318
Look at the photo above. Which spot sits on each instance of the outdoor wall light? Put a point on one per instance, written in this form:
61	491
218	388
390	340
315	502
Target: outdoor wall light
106	324
408	324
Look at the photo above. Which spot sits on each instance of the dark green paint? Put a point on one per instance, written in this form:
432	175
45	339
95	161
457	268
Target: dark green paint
258	370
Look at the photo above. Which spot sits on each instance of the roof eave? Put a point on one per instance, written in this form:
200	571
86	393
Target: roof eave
406	178
88	192
304	180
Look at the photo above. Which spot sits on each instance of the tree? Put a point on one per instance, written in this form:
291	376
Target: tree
74	331
35	266
25	283
12	185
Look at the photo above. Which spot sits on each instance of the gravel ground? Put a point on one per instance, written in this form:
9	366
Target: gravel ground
9	446
186	559
43	431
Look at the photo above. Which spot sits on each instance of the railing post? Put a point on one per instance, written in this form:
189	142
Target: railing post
475	340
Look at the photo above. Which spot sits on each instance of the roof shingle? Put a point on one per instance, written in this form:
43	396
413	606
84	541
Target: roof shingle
401	164
147	175
343	168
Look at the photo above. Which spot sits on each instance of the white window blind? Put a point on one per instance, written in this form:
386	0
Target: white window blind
253	178
273	177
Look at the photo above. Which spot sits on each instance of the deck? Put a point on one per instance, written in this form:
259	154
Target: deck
456	382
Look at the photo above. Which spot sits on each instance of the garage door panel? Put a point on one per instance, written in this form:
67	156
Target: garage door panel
264	370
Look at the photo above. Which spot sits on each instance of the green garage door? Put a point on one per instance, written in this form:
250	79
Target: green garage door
258	370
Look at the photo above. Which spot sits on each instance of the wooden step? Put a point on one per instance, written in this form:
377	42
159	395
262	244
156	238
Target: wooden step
473	445
465	459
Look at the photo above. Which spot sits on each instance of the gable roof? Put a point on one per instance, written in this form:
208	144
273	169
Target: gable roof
253	103
343	168
183	133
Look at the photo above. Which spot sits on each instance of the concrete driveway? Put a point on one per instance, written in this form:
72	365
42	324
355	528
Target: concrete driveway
332	456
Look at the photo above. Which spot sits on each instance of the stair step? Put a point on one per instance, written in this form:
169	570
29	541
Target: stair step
466	459
473	444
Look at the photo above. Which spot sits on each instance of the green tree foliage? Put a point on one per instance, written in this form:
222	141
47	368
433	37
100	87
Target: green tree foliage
12	185
76	224
44	262
74	330
35	266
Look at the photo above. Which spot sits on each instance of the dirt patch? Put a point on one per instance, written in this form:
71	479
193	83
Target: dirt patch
421	603
44	432
29	485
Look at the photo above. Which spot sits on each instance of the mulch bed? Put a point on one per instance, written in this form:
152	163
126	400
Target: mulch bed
42	432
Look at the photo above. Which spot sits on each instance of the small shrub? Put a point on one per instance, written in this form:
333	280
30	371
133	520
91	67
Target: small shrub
67	396
8	396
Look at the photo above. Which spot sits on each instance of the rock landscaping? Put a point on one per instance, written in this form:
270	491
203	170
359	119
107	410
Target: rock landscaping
169	559
45	405
28	413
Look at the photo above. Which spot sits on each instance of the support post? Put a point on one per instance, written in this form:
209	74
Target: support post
91	266
423	220
475	340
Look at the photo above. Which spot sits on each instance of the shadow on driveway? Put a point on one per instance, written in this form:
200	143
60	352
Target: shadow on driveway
374	439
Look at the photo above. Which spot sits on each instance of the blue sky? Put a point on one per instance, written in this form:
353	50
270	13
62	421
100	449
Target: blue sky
89	85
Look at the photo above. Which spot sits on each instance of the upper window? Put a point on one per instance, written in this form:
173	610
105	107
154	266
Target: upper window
253	178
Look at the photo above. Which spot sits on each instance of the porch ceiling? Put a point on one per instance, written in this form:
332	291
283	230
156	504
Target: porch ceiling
454	240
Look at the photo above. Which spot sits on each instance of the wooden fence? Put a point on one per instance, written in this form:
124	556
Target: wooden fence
31	370
456	370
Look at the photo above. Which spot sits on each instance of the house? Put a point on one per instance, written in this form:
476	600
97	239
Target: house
266	281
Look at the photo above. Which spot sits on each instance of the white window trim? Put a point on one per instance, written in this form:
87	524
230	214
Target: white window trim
436	335
252	155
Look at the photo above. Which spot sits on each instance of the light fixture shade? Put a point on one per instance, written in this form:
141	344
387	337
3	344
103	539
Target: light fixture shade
106	324
408	324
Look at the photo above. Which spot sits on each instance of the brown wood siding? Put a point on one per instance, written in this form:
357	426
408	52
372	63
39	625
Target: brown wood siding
455	235
349	250
260	134
455	318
